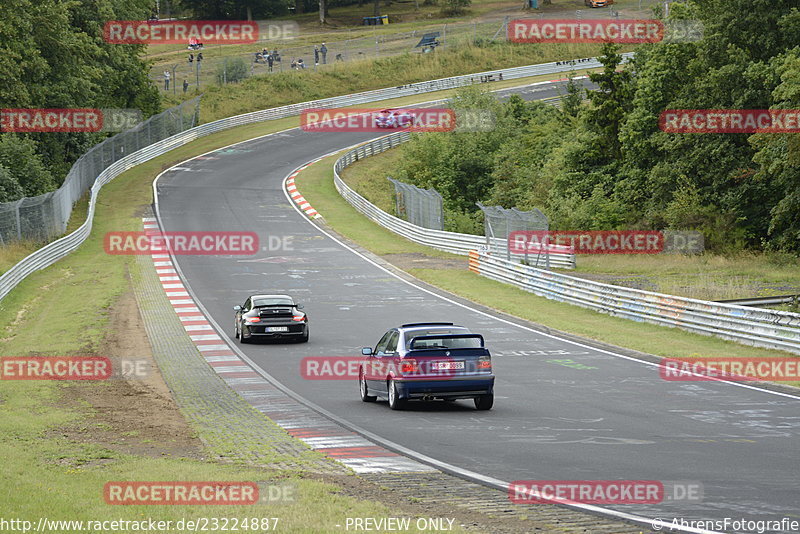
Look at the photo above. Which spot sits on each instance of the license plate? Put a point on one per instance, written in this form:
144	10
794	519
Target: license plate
277	329
448	365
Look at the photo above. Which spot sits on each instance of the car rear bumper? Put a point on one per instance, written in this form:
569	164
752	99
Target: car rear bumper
293	329
445	389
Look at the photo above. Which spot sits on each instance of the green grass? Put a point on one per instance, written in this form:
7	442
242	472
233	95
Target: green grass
368	178
11	253
316	185
706	276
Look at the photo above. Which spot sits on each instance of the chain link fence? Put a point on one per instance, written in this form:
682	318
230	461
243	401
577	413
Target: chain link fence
422	207
44	217
499	222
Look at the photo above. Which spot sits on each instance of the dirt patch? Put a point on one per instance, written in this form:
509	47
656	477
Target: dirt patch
133	412
418	260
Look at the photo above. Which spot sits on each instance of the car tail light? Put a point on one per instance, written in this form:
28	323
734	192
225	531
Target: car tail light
485	363
253	319
298	317
408	366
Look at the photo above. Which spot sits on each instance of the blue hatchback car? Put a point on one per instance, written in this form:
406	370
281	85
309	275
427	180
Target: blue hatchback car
427	361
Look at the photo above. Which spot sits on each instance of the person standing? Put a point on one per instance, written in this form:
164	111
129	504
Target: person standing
185	86
166	80
270	60
191	59
199	58
324	50
316	55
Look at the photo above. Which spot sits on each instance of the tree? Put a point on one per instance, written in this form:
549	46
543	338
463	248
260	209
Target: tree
52	55
611	101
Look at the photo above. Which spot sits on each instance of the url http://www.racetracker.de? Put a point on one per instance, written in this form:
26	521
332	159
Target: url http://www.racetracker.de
144	526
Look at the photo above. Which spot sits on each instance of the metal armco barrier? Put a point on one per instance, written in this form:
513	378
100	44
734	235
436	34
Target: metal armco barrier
750	326
447	241
56	250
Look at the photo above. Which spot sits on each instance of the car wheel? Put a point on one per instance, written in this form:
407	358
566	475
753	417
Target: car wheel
362	386
236	331
242	338
304	337
395	402
484	402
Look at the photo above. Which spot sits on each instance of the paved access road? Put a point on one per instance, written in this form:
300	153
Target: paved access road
597	416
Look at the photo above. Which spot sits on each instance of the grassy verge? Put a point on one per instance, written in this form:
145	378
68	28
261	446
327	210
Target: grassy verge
55	465
316	185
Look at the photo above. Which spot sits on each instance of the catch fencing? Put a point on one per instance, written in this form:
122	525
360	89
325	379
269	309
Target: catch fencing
56	250
500	222
452	242
422	207
752	326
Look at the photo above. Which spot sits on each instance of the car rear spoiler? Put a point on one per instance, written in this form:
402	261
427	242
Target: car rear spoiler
446	336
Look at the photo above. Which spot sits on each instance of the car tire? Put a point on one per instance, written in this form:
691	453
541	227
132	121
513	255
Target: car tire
304	337
484	402
395	402
362	387
243	339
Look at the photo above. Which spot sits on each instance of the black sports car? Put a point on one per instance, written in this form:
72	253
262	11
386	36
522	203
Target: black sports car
270	316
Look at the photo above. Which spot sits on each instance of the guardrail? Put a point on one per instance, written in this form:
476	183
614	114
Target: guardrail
764	301
49	254
452	242
752	326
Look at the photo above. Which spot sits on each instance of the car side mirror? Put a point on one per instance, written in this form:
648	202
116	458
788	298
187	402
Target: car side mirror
237	308
366	351
299	306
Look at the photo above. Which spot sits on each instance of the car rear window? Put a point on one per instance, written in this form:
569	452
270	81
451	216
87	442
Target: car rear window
448	343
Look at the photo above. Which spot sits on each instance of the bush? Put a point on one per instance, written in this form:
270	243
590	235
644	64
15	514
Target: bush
463	222
456	7
231	71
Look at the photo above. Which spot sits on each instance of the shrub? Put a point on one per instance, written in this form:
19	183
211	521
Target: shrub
231	71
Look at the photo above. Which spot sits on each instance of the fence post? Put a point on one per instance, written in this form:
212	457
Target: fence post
19	223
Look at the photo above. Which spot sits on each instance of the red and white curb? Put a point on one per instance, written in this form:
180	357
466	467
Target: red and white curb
320	433
298	199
